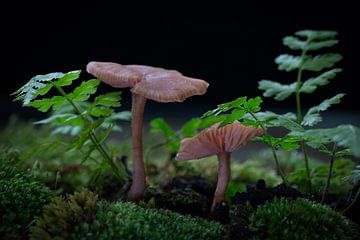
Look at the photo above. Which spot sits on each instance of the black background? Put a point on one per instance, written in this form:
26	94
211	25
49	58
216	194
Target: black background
232	46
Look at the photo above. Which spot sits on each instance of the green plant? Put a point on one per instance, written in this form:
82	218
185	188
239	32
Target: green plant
335	142
300	219
82	216
320	176
88	122
307	41
21	198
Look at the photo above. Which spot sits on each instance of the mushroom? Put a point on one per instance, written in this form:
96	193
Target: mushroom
145	82
221	141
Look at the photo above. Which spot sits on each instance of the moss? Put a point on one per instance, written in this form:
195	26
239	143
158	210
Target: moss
82	217
60	216
129	221
21	198
300	219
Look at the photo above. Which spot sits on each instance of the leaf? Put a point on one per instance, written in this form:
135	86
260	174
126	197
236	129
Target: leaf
68	78
236	114
123	116
316	35
313	117
189	129
45	104
83	92
287	143
280	91
319	62
109	99
288	62
253	104
211	120
288	123
100	111
310	85
297	44
224	107
347	136
66	119
31	89
159	125
294	43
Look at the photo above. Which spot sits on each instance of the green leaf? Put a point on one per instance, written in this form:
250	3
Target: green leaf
310	85
280	91
189	129
68	78
121	116
294	43
100	111
319	62
316	35
313	117
109	99
66	119
236	114
347	136
36	86
297	44
211	120
253	104
45	104
288	123
288	62
83	92
159	125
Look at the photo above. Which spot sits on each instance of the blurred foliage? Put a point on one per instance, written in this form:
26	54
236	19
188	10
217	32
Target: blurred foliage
47	158
319	175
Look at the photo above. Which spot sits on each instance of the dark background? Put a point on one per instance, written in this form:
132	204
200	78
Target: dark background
232	46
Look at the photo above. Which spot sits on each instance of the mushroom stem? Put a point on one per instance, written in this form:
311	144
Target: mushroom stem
224	172
137	189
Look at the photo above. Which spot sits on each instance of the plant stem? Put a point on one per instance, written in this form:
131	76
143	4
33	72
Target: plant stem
326	189
273	150
353	201
92	135
300	118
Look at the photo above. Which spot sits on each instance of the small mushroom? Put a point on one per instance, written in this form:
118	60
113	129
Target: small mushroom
222	142
145	82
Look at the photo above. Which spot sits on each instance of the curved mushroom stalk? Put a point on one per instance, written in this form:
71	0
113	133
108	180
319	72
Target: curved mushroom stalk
137	189
224	173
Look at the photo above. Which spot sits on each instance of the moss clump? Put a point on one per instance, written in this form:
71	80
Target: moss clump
82	217
61	216
300	219
21	198
129	221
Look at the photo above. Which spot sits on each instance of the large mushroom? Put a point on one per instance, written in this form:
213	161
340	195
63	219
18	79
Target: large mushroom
145	82
222	142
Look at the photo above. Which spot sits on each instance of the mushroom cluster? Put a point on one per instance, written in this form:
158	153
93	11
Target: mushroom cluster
221	142
145	82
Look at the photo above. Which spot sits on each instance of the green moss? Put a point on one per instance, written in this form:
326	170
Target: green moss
129	221
300	219
21	198
82	217
60	216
